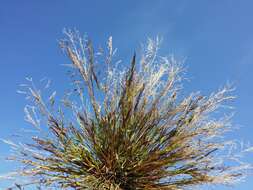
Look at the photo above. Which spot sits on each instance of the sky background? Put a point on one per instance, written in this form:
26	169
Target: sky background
215	38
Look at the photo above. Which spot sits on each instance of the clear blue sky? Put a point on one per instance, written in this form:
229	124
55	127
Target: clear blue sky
215	37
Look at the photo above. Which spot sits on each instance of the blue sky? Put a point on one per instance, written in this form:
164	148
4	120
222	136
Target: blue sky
215	37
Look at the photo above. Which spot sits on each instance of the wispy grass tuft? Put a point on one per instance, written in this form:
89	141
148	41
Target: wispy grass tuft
129	131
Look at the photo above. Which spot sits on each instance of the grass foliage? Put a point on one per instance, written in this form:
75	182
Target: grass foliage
128	130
